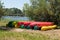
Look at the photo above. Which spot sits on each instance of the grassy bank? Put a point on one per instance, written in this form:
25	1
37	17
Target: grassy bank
7	35
27	34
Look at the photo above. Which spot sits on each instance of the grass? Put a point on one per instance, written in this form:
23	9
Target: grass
9	35
3	23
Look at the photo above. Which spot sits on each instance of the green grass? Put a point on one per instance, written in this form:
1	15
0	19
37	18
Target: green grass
8	35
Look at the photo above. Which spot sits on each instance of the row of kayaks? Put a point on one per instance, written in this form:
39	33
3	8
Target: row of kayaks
32	25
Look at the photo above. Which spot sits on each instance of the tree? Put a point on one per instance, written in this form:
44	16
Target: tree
55	8
44	10
1	9
28	10
13	12
37	10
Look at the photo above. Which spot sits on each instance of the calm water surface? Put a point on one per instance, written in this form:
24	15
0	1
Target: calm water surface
15	18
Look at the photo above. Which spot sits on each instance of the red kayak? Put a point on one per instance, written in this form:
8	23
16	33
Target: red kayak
40	24
20	23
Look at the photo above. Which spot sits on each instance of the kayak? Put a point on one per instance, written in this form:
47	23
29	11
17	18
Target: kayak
48	27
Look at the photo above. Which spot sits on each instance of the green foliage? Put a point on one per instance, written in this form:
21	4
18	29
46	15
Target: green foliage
55	8
36	9
1	9
13	12
43	10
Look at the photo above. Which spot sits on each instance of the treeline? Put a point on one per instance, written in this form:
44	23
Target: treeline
43	10
9	11
13	12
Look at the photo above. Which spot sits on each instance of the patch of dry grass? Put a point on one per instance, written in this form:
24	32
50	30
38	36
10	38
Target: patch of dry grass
3	23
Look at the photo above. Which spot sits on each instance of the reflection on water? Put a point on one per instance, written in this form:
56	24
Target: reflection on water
15	18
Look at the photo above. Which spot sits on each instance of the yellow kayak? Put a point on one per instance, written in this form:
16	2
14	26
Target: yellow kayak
15	24
48	27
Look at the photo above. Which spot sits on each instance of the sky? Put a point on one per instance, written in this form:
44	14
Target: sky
14	3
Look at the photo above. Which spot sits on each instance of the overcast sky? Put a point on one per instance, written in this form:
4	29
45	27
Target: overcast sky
14	3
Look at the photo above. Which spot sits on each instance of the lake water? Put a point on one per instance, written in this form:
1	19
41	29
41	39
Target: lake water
15	18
